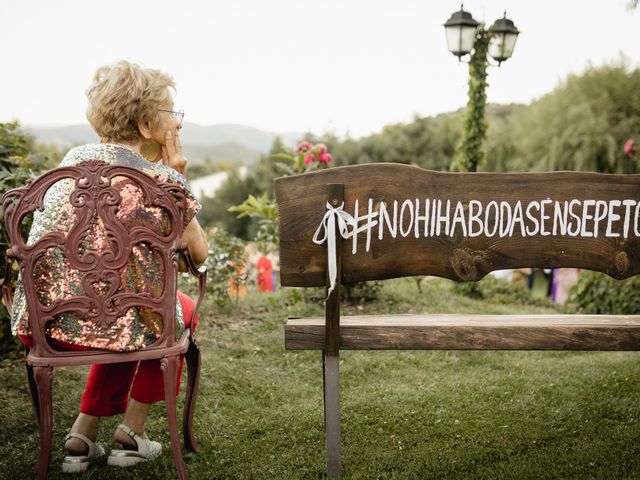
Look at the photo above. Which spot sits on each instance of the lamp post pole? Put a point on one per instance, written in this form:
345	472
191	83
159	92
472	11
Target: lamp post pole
465	36
469	152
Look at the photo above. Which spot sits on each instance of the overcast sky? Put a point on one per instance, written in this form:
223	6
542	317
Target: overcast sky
282	65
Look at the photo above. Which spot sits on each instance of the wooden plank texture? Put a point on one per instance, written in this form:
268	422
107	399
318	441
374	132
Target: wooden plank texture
471	332
610	245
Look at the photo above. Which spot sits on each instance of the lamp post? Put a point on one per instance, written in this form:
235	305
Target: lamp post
466	36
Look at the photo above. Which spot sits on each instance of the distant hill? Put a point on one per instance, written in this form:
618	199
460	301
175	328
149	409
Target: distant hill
63	136
250	137
227	152
224	142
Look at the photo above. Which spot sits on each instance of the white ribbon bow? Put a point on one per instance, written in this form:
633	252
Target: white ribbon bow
328	224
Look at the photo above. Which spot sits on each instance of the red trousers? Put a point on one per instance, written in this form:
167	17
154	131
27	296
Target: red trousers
109	385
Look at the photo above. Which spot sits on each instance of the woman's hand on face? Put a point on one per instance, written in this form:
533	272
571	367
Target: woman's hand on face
172	153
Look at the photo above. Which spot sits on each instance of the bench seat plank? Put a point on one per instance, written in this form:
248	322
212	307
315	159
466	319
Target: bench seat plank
470	332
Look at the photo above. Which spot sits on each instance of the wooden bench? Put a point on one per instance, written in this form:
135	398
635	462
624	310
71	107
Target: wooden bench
379	221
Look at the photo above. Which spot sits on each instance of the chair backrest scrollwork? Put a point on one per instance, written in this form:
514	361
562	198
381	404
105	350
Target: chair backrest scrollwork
101	244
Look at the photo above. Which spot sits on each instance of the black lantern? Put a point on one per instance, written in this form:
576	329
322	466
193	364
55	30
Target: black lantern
503	39
461	31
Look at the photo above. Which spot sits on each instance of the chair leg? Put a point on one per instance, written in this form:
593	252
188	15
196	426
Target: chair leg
43	377
331	383
170	373
193	359
33	392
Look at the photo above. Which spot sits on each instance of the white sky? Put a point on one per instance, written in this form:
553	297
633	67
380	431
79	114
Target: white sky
281	65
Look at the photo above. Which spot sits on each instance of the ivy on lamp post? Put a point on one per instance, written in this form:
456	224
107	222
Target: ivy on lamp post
465	36
469	153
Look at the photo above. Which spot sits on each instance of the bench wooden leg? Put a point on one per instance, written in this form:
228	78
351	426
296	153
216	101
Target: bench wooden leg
331	378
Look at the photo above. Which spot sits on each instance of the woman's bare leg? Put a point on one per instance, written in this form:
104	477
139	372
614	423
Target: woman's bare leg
134	418
86	425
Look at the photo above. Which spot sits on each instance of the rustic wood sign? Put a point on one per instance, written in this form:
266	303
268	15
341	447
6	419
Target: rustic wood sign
399	220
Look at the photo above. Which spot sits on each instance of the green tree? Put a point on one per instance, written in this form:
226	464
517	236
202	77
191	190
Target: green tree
582	124
17	165
206	167
237	189
501	145
427	142
267	169
232	192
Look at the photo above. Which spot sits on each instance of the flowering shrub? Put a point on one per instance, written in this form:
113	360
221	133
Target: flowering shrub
313	154
226	268
630	148
264	209
305	157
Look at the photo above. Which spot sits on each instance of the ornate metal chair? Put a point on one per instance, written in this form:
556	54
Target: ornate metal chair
95	197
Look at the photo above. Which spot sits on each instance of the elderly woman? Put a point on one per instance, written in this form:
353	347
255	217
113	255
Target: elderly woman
131	109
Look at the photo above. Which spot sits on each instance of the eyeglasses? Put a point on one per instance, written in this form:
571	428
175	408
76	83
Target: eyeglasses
177	115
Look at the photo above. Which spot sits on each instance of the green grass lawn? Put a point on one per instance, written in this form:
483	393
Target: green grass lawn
405	415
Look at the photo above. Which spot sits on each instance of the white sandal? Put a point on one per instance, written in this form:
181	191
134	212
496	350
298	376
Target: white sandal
80	463
147	450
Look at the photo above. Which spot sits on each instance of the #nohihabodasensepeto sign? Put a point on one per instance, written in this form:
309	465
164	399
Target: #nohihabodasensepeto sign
459	225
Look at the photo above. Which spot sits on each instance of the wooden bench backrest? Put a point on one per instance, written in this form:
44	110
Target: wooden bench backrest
592	221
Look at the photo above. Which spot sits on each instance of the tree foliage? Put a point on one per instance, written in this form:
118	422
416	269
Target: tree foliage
17	165
267	169
263	209
232	192
237	189
427	142
226	267
598	293
582	124
304	158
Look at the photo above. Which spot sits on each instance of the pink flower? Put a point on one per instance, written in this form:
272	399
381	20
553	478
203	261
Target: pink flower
325	158
303	146
322	148
308	160
630	148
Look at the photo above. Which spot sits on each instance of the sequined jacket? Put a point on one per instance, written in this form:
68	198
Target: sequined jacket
56	279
